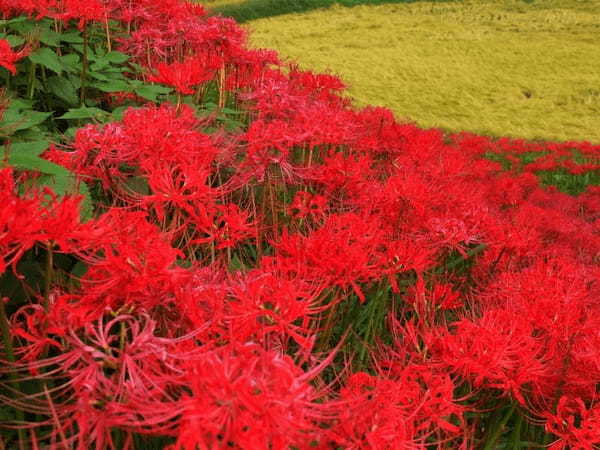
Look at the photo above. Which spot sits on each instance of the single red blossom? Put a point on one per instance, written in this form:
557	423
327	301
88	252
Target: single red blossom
187	75
306	204
8	57
576	425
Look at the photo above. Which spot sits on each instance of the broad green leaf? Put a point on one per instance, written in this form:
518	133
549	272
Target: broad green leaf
4	23
139	185
20	103
118	112
73	37
50	37
99	65
30	161
232	111
63	89
71	131
151	92
34	133
54	176
13	40
23	27
75	80
71	62
116	57
79	269
31	148
16	120
112	86
47	58
98	76
84	113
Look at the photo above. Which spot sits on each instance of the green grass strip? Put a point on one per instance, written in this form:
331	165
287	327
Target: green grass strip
245	11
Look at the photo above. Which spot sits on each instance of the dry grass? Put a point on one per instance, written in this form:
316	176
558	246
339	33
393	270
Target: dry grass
504	67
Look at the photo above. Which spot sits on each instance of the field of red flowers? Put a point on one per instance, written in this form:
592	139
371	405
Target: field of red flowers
202	247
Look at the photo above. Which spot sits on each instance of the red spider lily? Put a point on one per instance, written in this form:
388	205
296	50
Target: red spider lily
248	397
266	307
131	264
306	204
8	57
112	373
84	11
187	75
222	225
35	217
575	424
499	350
398	412
339	253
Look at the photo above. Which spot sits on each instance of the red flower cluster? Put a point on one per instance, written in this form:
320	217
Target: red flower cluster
214	284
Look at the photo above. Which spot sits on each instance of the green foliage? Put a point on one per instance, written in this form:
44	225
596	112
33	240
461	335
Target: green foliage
244	11
62	84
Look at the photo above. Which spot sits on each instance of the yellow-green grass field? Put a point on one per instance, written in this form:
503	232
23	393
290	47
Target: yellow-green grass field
517	68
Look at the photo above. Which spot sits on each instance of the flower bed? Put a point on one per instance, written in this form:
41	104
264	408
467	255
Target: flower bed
202	247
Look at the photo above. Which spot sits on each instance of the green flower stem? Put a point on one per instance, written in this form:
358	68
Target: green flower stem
31	81
496	432
10	356
84	67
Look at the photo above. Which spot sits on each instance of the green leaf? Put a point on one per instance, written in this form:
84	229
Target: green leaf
98	76
112	86
84	113
23	27
32	148
13	40
73	37
63	89
71	131
139	185
54	176
71	62
17	19
151	92
50	37
30	161
117	113
116	57
16	120
79	269
47	58
20	103
99	65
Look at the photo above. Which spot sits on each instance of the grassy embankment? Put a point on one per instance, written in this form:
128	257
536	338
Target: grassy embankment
502	68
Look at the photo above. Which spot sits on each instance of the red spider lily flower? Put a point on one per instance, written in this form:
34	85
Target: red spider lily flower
245	396
265	307
131	264
84	11
187	75
499	351
34	217
113	373
8	57
575	424
306	204
405	409
224	225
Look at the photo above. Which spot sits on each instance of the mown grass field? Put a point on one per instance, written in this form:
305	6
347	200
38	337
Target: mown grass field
517	68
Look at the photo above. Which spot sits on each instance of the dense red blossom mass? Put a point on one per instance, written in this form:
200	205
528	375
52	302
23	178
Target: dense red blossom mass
220	262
